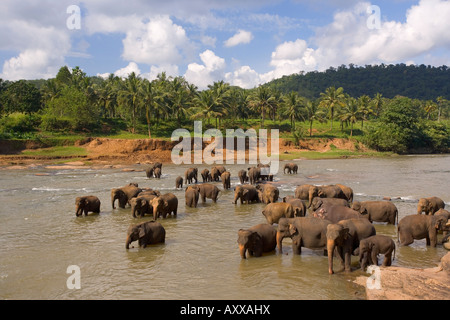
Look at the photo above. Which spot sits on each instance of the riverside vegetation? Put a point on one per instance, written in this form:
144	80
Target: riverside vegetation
73	106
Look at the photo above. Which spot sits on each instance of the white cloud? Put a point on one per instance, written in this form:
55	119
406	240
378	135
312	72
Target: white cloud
241	37
156	42
126	71
171	70
244	77
211	70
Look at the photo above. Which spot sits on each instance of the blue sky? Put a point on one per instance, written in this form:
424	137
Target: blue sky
245	43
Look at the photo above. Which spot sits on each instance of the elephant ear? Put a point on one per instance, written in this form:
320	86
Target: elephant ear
141	231
345	233
292	229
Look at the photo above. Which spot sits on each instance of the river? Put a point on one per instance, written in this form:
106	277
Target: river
40	236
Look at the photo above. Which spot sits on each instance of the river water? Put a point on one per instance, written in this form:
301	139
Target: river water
40	237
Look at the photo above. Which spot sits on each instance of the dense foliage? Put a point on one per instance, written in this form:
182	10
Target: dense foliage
73	103
416	82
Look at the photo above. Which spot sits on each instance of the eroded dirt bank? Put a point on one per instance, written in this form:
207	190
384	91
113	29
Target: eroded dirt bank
398	283
131	151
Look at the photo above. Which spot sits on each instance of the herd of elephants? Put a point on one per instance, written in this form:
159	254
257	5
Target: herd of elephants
315	217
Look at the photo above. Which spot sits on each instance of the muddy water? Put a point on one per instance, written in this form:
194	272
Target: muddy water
40	237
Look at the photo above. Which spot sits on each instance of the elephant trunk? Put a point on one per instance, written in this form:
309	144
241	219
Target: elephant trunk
133	211
330	248
113	199
279	242
77	212
127	243
242	250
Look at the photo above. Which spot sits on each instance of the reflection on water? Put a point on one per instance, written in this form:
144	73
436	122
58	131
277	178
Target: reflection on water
40	235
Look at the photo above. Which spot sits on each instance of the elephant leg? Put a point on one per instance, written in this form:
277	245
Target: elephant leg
406	239
387	260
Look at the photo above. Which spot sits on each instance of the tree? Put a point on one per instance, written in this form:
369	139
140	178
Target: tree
130	96
313	113
261	100
364	108
350	112
442	103
206	104
331	99
293	103
21	96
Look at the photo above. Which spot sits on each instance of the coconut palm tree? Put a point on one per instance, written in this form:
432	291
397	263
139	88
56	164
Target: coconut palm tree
130	96
350	112
332	99
261	100
365	109
313	113
293	103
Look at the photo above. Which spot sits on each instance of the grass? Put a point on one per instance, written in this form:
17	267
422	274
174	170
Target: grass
332	154
58	151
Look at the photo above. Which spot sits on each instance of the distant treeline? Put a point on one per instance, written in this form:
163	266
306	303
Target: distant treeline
416	82
73	103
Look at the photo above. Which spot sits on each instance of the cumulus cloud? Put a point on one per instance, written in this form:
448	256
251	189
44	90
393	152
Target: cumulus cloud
241	37
212	69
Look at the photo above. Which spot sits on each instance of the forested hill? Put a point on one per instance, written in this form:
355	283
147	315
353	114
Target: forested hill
417	82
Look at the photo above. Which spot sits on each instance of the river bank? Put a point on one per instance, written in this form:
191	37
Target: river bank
105	151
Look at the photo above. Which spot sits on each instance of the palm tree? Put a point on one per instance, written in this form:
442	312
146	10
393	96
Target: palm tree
364	107
429	107
331	99
220	94
441	102
377	104
206	104
130	96
292	102
313	113
151	97
261	100
350	112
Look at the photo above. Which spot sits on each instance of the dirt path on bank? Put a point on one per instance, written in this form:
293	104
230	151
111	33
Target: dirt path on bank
105	151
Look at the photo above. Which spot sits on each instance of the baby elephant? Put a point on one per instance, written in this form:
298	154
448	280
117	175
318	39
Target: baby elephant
87	204
257	239
150	232
275	211
371	247
179	182
418	226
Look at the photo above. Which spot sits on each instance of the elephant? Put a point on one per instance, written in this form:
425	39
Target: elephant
379	211
318	202
336	213
150	232
207	190
345	236
348	192
206	176
191	196
247	193
274	211
257	240
264	172
190	175
268	193
242	174
328	191
371	247
254	174
308	232
215	174
226	177
291	168
417	226
150	171
164	205
302	191
430	205
157	173
299	205
124	194
141	204
87	204
179	182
